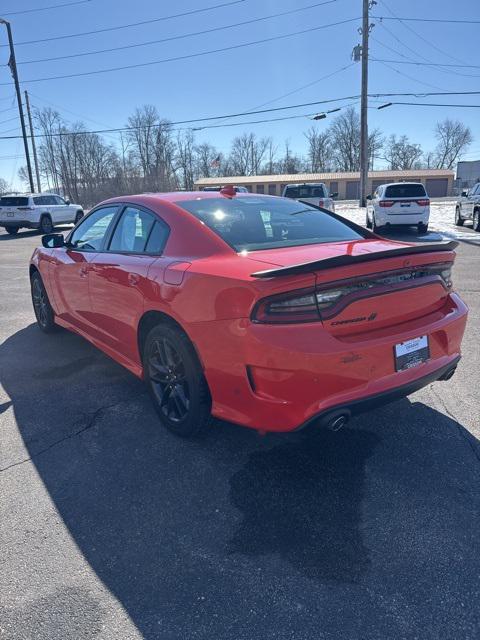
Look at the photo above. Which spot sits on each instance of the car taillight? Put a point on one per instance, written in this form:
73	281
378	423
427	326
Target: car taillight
386	203
310	305
294	306
424	202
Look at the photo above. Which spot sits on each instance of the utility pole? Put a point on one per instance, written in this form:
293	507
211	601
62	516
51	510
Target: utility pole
13	68
34	147
365	31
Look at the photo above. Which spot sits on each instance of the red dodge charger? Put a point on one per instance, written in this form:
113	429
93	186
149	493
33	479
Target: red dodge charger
264	311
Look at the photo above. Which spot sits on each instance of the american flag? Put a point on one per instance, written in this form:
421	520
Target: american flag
215	162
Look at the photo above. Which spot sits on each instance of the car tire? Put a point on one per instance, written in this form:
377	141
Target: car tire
368	224
176	382
78	217
375	227
422	229
476	220
46	225
44	313
458	218
11	230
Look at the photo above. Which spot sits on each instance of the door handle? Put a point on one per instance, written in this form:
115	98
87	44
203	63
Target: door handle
133	279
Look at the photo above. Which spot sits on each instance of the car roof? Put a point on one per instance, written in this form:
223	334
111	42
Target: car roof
392	184
178	196
304	184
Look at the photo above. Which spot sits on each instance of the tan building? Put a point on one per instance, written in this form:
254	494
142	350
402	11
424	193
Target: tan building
438	182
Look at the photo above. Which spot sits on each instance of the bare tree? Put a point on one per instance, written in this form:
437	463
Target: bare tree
208	160
376	142
319	150
453	138
247	153
185	157
401	154
3	186
290	163
345	136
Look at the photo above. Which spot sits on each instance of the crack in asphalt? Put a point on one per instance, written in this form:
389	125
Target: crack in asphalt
91	420
460	429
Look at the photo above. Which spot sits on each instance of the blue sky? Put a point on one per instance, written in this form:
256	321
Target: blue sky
243	78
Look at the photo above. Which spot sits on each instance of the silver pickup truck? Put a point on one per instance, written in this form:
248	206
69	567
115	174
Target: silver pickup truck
468	207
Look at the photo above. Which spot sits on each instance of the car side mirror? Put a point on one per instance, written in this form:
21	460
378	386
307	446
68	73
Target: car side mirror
369	197
464	194
67	201
334	194
53	241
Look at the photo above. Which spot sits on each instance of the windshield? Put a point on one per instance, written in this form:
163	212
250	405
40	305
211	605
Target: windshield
253	223
13	201
405	191
306	191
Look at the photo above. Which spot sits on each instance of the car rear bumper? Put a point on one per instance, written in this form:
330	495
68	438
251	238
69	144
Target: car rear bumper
368	403
278	378
413	218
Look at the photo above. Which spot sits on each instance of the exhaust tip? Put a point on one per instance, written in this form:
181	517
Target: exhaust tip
337	421
449	374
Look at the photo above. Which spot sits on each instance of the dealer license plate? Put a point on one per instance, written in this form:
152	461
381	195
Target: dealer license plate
411	353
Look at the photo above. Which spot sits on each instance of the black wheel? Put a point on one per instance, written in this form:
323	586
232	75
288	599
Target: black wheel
375	227
46	225
41	305
176	382
422	229
476	220
78	217
368	224
458	218
11	230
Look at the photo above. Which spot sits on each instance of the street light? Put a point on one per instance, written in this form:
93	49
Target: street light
13	68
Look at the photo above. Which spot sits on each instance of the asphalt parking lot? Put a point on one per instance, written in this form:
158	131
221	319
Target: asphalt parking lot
113	528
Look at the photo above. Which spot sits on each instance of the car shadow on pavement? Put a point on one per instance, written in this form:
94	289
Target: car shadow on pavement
375	526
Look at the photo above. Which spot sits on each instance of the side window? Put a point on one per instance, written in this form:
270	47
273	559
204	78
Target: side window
38	201
132	231
89	235
158	238
49	200
59	200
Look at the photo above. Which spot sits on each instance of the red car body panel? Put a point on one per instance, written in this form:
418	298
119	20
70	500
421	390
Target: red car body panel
264	376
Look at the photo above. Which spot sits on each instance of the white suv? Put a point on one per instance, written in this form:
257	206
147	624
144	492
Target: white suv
38	211
399	203
313	193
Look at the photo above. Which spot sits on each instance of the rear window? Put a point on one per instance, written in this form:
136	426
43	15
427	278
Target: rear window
405	191
306	191
13	201
252	223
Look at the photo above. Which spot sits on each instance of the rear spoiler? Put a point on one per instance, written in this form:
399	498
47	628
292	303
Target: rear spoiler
343	261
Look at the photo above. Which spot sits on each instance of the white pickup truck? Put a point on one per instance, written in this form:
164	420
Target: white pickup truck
468	207
37	211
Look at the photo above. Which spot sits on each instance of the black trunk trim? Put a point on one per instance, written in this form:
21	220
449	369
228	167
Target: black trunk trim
346	260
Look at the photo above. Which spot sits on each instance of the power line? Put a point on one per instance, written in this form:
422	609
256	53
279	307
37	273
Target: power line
445	20
434	104
187	56
179	37
53	6
430	64
419	35
131	24
272	109
9	120
405	75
